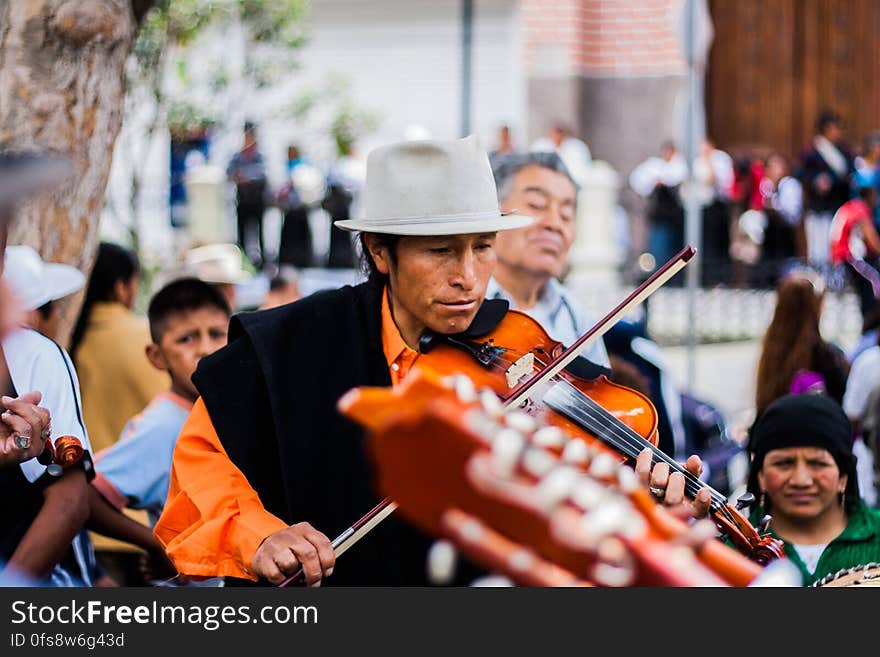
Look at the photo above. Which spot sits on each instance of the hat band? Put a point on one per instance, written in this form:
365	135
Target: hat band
433	219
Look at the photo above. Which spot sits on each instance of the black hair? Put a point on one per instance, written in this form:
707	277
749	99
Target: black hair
181	295
867	193
45	310
826	117
113	263
281	281
368	266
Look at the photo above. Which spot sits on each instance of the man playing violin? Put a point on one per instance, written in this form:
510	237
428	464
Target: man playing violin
265	467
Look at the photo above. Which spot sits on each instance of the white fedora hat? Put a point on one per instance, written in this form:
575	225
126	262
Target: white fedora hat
431	187
36	282
216	263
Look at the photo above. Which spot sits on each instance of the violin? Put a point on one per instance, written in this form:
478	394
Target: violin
516	356
606	416
461	469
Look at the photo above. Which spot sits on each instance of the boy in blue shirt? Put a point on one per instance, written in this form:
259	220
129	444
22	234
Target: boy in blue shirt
188	321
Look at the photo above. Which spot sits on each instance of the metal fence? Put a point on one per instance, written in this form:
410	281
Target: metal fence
724	315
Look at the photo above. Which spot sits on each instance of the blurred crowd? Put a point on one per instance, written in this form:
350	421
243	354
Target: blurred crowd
762	212
125	388
307	191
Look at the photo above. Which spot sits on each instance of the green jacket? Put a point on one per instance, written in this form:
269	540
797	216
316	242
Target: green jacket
857	544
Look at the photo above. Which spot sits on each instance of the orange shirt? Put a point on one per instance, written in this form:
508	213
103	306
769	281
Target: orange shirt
213	520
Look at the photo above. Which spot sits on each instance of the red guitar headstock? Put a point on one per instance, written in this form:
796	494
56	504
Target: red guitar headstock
518	499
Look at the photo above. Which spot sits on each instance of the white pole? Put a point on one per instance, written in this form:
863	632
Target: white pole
693	218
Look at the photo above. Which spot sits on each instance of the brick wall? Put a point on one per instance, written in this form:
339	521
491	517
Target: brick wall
602	38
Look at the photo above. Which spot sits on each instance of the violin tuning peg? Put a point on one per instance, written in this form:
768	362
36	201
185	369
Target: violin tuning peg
764	524
745	500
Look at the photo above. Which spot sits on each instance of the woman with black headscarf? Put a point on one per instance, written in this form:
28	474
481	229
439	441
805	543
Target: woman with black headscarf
804	475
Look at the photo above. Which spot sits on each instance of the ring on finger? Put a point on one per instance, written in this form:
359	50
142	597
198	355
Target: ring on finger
45	433
659	493
22	441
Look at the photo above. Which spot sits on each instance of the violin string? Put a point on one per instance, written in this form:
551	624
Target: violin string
624	438
630	439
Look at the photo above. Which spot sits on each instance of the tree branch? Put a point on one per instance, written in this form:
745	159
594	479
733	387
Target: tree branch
139	9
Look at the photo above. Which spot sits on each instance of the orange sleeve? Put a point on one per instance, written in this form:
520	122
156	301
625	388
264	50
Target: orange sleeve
213	521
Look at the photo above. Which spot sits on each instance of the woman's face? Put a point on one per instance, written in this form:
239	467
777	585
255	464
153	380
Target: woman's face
801	482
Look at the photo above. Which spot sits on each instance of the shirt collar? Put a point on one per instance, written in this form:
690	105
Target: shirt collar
176	399
550	298
392	342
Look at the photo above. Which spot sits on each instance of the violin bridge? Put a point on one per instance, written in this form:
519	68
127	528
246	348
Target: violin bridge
523	366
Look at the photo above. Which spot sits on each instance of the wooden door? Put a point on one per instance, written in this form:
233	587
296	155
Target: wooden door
774	64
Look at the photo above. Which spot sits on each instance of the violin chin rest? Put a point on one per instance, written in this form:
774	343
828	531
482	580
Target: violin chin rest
490	314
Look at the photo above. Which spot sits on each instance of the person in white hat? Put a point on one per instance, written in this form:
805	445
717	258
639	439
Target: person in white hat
265	466
49	544
38	284
220	265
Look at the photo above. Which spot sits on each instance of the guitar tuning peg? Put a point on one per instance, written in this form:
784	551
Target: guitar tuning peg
507	445
745	500
550	436
764	524
521	422
603	466
491	404
537	462
576	452
492	581
556	486
442	558
464	388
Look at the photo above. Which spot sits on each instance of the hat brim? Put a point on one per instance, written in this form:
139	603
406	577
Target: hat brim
58	281
452	226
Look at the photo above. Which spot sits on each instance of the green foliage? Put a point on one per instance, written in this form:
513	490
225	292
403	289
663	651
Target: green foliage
333	108
281	22
275	30
184	117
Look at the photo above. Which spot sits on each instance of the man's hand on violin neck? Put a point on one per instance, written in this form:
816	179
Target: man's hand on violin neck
670	486
284	552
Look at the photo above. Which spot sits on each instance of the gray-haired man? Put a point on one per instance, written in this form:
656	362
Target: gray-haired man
531	259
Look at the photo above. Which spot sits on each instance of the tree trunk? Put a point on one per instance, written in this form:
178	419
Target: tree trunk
62	83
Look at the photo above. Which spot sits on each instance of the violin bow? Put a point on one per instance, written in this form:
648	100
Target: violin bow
637	296
660	277
353	534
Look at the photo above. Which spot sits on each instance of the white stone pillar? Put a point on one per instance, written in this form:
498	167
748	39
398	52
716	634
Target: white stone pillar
205	192
595	255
